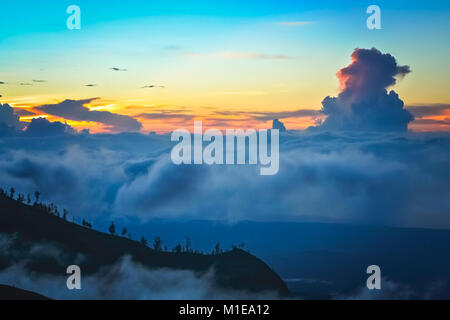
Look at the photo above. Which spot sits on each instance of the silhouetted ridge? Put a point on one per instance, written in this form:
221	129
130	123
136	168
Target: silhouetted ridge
235	269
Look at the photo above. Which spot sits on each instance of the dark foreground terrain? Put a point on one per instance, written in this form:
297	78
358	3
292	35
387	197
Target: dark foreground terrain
235	270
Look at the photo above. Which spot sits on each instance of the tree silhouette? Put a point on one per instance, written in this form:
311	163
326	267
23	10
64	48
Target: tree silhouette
144	241
157	244
11	193
21	198
188	247
28	199
37	194
124	232
112	229
65	213
178	248
217	249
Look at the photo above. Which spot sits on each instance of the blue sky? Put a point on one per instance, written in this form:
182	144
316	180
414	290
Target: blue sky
233	55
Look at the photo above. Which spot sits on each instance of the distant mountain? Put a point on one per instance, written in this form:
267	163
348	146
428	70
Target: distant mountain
233	270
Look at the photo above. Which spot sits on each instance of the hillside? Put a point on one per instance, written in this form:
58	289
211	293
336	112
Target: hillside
236	269
11	293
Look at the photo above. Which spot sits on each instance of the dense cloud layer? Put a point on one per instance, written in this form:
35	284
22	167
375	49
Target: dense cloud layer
377	178
75	110
364	104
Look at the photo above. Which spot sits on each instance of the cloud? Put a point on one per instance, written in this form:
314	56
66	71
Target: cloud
368	178
429	110
23	113
166	114
239	55
398	179
39	81
90	85
26	84
277	124
1	82
9	118
152	86
118	69
364	103
75	110
40	127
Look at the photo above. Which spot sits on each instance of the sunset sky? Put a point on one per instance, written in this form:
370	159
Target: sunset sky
228	63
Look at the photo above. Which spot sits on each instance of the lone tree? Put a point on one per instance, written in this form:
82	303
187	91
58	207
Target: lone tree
112	229
124	232
65	213
37	194
157	244
178	248
144	241
217	249
188	247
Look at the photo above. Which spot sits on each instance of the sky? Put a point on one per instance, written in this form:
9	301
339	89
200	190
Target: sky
157	66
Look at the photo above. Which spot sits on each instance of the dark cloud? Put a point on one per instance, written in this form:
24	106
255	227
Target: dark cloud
41	127
90	85
164	114
9	118
1	82
118	69
75	110
445	121
430	110
277	124
269	116
364	104
152	86
23	113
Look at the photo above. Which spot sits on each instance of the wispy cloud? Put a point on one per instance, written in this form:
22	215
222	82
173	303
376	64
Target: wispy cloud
238	55
294	23
118	69
239	93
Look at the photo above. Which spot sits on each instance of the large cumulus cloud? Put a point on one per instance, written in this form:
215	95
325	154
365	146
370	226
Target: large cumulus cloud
364	102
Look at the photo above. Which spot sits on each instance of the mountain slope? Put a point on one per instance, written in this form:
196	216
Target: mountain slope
236	270
11	293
